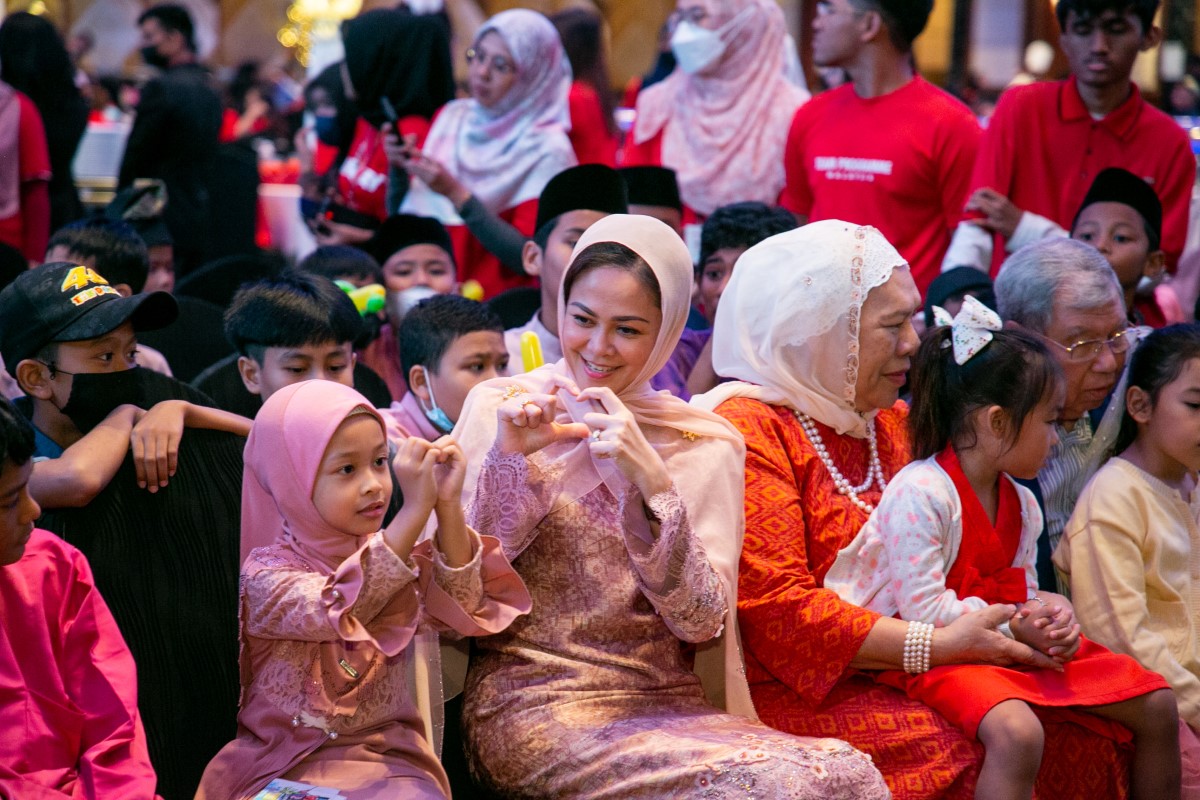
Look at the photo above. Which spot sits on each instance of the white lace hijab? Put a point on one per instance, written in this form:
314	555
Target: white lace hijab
787	326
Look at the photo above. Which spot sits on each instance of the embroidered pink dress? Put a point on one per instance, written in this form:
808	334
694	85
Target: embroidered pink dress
333	652
592	694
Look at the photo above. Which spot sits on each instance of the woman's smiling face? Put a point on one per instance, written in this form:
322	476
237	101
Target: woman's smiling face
611	327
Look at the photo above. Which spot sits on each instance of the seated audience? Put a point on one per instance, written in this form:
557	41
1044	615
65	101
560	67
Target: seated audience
70	686
620	508
152	508
1128	549
818	364
953	533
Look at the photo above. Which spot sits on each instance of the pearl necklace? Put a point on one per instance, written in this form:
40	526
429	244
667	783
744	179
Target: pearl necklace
874	470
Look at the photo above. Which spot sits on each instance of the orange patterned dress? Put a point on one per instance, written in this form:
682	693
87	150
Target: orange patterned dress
799	638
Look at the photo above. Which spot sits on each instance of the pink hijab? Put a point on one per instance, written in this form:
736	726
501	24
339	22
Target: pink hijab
703	452
283	453
726	129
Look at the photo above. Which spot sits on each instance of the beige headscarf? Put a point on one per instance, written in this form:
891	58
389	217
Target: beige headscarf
788	322
703	453
726	129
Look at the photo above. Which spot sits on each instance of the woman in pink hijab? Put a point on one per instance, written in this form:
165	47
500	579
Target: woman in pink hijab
621	508
334	610
721	119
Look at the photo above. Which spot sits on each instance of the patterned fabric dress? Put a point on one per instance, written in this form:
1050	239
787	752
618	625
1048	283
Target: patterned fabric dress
799	638
591	694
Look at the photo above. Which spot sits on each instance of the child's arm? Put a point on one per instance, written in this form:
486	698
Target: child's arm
371	597
155	438
468	586
455	541
915	527
83	470
413	466
99	676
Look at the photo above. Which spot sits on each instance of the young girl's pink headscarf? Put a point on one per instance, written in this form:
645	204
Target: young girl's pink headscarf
282	456
703	452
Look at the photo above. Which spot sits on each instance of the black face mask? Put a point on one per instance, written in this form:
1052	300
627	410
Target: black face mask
95	395
152	57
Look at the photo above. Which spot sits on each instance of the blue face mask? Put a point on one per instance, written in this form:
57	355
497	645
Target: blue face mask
435	415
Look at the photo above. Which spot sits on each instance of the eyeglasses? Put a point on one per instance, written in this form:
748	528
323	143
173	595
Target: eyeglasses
499	64
692	14
1088	350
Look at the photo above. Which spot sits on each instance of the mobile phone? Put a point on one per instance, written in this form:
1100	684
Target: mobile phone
389	111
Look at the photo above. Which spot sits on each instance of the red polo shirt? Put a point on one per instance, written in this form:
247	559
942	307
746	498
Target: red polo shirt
363	178
1042	150
900	162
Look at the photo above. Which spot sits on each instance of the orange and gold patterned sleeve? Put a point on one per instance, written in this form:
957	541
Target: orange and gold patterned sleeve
803	635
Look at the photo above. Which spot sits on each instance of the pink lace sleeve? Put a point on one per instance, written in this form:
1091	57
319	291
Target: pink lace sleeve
481	597
371	596
511	498
674	571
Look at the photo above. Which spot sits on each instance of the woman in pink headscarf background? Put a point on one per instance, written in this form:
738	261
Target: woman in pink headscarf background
334	610
721	119
621	508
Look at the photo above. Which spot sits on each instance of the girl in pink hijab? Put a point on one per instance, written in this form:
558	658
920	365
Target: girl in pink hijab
334	609
621	507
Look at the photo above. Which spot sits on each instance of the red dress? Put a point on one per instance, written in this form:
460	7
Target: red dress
799	637
984	568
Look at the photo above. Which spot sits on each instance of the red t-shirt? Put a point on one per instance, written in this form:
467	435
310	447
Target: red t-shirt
33	164
590	137
900	162
1042	150
476	262
362	180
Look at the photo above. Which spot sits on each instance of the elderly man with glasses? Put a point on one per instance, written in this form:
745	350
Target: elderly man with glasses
1067	293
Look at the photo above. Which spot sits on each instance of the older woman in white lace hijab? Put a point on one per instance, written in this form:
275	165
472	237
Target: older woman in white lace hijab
816	328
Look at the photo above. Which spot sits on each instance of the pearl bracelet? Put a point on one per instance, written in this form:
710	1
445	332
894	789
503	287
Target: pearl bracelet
918	647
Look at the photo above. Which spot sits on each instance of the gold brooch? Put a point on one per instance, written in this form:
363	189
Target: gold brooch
513	390
691	437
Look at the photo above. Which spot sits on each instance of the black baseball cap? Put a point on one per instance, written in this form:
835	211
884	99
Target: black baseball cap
67	302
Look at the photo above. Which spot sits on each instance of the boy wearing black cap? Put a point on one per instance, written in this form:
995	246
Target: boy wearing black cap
71	339
414	251
573	201
1121	216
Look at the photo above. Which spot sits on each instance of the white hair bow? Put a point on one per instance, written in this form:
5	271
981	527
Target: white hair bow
971	330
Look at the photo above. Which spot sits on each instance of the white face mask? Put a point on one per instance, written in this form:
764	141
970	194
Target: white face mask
696	48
